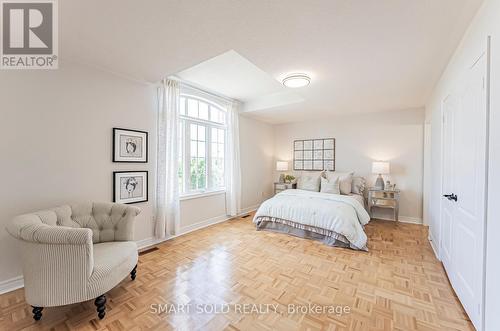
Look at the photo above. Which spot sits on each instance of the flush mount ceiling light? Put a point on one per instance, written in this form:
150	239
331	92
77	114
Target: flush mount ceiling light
296	80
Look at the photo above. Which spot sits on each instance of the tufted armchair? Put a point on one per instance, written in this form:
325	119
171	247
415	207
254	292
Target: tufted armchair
75	253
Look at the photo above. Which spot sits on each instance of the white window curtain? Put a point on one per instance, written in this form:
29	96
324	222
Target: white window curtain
167	187
232	163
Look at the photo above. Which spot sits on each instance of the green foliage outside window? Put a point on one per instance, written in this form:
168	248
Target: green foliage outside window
198	173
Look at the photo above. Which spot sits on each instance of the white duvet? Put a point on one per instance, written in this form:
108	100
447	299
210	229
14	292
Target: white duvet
339	213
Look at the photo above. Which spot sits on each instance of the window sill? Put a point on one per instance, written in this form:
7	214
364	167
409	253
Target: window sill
200	195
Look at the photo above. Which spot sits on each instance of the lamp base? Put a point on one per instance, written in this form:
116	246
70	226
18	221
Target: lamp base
379	184
282	178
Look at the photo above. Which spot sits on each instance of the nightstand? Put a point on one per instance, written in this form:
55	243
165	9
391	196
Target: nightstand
278	187
384	199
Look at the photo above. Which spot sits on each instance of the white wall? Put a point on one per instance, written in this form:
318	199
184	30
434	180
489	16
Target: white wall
361	138
55	144
486	22
257	161
427	170
55	147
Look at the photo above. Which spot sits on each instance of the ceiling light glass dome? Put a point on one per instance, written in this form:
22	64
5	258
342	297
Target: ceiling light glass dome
296	80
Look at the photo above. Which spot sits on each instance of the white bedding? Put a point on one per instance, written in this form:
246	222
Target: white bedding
338	213
359	198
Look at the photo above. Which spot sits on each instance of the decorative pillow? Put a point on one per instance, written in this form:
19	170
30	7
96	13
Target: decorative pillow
345	180
330	186
309	182
358	185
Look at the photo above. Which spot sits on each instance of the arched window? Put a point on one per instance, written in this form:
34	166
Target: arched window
201	144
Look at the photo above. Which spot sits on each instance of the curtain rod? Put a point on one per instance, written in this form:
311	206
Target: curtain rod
201	90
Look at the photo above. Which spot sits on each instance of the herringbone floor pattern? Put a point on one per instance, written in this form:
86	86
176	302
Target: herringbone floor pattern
397	285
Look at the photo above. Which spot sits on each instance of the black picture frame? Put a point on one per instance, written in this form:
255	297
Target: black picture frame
145	175
145	146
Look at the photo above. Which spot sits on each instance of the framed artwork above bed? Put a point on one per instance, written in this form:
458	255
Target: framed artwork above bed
314	154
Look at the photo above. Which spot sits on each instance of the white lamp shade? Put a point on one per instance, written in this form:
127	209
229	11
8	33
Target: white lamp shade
281	166
379	167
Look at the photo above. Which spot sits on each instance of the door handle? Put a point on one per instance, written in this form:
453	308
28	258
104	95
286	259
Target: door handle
450	197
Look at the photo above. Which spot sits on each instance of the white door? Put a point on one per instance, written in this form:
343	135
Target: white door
450	106
464	178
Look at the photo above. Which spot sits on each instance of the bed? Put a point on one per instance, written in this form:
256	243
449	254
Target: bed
333	219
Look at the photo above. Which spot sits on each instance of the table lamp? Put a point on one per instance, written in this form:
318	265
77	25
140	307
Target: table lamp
380	168
282	166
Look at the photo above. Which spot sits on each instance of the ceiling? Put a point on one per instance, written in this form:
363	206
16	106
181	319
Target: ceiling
362	55
230	74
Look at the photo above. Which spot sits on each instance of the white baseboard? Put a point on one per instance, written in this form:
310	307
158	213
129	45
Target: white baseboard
144	243
432	242
11	284
412	220
248	210
202	224
213	220
404	219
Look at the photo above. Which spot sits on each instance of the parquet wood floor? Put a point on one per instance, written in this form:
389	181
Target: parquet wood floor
397	285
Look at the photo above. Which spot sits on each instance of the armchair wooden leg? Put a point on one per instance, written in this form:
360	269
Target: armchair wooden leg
37	313
100	303
133	272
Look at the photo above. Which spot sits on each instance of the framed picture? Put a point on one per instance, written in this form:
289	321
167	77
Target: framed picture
130	186
314	154
130	145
